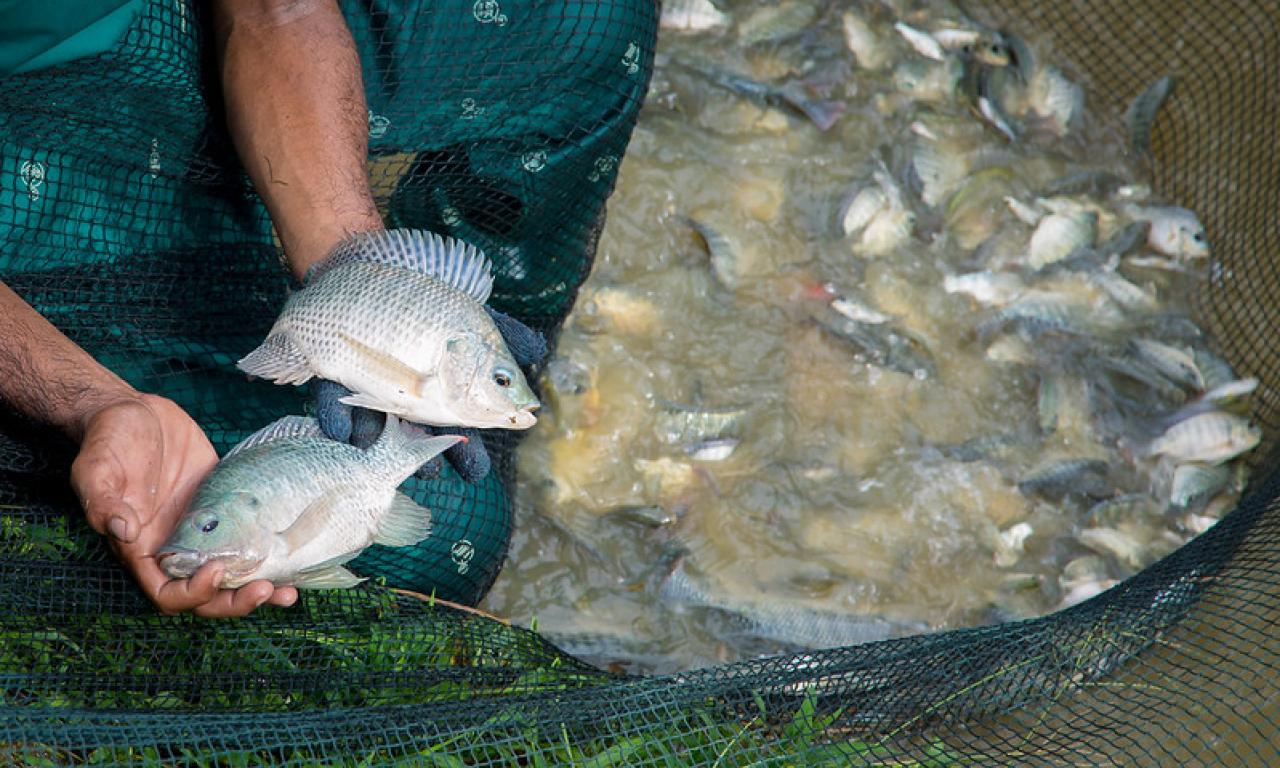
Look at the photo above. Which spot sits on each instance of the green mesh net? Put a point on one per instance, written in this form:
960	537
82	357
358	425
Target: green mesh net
502	123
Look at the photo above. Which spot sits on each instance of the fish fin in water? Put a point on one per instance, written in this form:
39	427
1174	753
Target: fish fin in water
1141	114
388	367
289	426
459	264
318	517
278	359
326	576
405	523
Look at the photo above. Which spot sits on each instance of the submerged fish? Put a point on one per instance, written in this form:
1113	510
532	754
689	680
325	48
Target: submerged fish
823	112
782	622
1141	114
1211	438
398	318
290	505
1174	231
692	16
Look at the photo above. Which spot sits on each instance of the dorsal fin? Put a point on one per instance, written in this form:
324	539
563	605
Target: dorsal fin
459	264
289	426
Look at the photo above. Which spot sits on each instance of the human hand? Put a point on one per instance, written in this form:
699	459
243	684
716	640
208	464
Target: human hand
140	461
361	426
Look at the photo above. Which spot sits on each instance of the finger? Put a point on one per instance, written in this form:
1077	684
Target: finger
469	459
236	602
527	345
284	596
334	416
111	516
177	595
366	425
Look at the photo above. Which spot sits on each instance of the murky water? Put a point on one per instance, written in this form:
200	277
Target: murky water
768	427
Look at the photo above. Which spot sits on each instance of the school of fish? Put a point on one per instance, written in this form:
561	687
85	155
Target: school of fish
887	333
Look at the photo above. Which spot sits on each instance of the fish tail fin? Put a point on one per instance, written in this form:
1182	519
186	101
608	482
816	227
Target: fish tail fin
402	448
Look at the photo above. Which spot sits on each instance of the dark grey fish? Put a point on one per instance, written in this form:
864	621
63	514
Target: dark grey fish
884	345
791	95
1056	479
781	622
1110	513
1125	240
1087	182
999	446
1141	114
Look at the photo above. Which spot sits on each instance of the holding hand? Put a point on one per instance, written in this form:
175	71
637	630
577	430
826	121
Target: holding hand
140	462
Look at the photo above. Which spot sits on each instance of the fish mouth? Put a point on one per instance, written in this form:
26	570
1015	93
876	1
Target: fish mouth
179	562
524	418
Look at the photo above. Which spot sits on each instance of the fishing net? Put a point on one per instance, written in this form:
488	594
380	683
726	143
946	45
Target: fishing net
126	222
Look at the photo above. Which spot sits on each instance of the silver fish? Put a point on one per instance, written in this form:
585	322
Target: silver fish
290	505
692	16
790	95
1111	513
921	42
1174	231
1175	364
695	424
1058	478
777	21
782	622
1211	438
1195	484
398	318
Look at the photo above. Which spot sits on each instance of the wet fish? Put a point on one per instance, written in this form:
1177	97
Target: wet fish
1125	239
1059	235
723	252
692	16
1110	513
883	344
868	48
290	505
1177	365
777	21
1174	231
1061	477
1085	182
1123	546
790	95
1054	100
921	42
1211	438
991	289
783	622
712	450
1141	114
694	424
1194	485
398	318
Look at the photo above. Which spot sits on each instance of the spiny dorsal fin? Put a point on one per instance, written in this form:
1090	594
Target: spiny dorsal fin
459	264
289	426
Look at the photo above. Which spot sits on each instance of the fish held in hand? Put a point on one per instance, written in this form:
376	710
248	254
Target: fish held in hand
292	506
398	318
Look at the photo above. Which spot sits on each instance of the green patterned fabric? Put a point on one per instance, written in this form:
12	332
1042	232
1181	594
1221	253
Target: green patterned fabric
126	220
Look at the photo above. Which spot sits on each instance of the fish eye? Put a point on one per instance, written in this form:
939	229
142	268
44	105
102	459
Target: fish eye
209	526
1198	237
502	379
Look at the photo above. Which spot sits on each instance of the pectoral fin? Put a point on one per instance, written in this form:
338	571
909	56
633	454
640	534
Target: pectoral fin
405	523
388	367
314	521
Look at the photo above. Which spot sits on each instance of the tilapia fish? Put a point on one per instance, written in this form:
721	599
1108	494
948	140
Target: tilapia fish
398	318
292	506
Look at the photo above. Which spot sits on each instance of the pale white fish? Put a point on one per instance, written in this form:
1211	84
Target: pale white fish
1054	99
398	318
292	506
921	42
692	16
1210	438
1121	545
1174	231
870	50
1058	236
862	208
859	312
1011	544
991	289
1028	213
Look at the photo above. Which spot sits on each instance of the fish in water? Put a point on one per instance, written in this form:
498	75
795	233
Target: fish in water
1210	438
781	622
692	16
292	506
1174	231
1141	114
791	95
398	318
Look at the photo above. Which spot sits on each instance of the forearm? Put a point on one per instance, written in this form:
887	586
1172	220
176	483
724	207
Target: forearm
296	111
48	376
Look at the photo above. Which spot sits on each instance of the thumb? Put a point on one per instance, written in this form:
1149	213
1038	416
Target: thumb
111	516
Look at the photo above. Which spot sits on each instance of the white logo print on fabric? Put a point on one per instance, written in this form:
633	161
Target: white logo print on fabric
489	12
32	176
604	164
378	125
534	160
471	110
153	159
462	552
631	59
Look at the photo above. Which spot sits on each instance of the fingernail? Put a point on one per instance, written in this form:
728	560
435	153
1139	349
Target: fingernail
119	528
290	599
